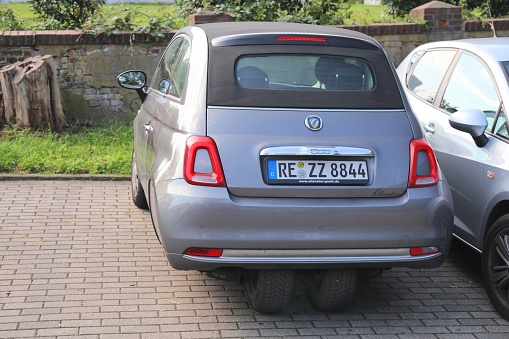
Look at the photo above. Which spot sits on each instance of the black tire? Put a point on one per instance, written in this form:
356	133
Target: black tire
269	291
495	265
137	192
332	290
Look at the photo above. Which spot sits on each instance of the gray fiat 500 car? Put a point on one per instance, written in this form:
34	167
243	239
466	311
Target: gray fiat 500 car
459	91
266	148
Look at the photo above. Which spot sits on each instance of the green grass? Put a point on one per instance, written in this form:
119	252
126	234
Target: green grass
92	150
365	15
21	9
141	12
156	9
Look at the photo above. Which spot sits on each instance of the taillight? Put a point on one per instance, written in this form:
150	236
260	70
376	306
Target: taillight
202	165
204	252
423	165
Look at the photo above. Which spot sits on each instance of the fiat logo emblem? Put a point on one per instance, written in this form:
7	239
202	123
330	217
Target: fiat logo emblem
314	123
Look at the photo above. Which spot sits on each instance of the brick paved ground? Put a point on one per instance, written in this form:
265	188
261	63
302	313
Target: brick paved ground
78	259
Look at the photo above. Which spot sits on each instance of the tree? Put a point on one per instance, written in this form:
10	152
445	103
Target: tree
70	13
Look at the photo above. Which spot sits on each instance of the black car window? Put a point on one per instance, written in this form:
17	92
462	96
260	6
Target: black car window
428	73
180	70
501	125
413	59
304	72
506	66
471	86
172	70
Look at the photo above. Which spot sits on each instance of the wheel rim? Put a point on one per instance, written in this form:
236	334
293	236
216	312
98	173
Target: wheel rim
498	265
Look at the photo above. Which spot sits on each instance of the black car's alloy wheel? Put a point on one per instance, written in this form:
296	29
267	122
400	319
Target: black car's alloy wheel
332	290
495	265
269	291
137	192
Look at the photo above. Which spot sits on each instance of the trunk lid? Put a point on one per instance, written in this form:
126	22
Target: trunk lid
355	154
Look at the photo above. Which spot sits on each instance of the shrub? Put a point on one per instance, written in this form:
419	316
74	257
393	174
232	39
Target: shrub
8	20
308	11
124	16
70	13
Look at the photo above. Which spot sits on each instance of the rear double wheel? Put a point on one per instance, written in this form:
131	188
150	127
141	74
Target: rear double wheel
332	290
495	265
269	291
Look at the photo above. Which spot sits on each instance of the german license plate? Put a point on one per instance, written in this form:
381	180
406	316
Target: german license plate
320	172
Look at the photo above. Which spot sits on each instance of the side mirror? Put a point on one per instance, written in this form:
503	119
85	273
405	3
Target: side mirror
473	122
134	80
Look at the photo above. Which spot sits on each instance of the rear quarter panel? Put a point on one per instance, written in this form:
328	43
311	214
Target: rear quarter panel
175	120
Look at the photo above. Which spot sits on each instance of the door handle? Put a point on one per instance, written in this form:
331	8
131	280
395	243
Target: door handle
429	127
148	128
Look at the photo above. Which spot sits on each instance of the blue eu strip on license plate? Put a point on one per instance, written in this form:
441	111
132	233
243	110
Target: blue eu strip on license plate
272	169
332	172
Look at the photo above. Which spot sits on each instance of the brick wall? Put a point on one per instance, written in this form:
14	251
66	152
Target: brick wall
89	65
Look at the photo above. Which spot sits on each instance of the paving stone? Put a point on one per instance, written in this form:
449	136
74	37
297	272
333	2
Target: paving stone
78	259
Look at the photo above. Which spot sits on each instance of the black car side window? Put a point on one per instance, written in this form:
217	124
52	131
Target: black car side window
470	87
500	127
179	70
429	72
173	67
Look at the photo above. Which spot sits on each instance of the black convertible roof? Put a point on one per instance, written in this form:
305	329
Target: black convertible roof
227	29
230	41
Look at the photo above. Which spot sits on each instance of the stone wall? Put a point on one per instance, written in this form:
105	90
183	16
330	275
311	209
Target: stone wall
89	65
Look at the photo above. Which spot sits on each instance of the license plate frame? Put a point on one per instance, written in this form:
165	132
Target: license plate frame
316	172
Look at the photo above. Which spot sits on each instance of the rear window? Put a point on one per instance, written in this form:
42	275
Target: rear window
304	72
301	76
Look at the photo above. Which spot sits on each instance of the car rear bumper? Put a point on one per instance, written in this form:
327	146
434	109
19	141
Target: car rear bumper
263	233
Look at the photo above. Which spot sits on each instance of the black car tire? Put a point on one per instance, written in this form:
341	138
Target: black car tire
495	265
332	290
137	192
269	291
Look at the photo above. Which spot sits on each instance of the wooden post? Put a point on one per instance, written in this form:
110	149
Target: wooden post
31	94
